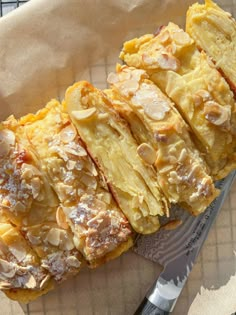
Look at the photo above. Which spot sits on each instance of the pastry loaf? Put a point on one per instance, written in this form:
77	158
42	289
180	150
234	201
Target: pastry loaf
114	149
79	178
199	91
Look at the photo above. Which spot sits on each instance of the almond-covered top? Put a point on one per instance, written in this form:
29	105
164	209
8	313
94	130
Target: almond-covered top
20	267
165	142
86	205
28	202
191	80
21	182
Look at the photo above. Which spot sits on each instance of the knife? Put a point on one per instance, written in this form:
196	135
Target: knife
176	251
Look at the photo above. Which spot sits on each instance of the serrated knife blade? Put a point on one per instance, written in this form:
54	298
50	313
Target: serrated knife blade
177	250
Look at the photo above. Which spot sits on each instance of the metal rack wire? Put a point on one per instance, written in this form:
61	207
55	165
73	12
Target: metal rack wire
8	5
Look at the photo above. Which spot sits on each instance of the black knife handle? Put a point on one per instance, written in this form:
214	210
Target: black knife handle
147	308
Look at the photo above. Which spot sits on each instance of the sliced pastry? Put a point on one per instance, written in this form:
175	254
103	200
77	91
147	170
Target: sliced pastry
164	138
214	31
114	150
22	277
199	91
100	230
29	204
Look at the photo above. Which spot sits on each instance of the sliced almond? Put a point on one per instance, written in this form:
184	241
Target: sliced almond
7	269
164	36
66	242
168	62
181	38
34	240
70	165
84	114
183	155
31	283
124	75
89	181
156	110
204	94
44	282
53	236
136	74
217	115
165	169
147	153
174	178
35	186
77	150
197	99
128	87
61	218
5	285
112	78
7	136
72	261
33	171
68	134
106	197
64	191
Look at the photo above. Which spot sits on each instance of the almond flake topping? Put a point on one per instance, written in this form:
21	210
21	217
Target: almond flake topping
84	114
168	62
53	236
61	218
181	38
218	115
31	282
7	136
147	153
7	269
112	78
68	134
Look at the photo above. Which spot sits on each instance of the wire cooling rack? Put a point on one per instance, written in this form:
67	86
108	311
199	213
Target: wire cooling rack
8	5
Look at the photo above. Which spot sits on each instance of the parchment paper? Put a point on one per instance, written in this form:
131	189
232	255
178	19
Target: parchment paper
44	47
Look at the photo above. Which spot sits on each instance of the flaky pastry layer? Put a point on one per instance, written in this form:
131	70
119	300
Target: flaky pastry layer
191	80
214	31
114	149
164	139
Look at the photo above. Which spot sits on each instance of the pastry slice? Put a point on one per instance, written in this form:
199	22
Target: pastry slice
214	31
114	150
86	207
22	277
164	139
199	91
28	202
21	181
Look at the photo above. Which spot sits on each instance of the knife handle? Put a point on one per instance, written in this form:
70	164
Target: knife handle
147	308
